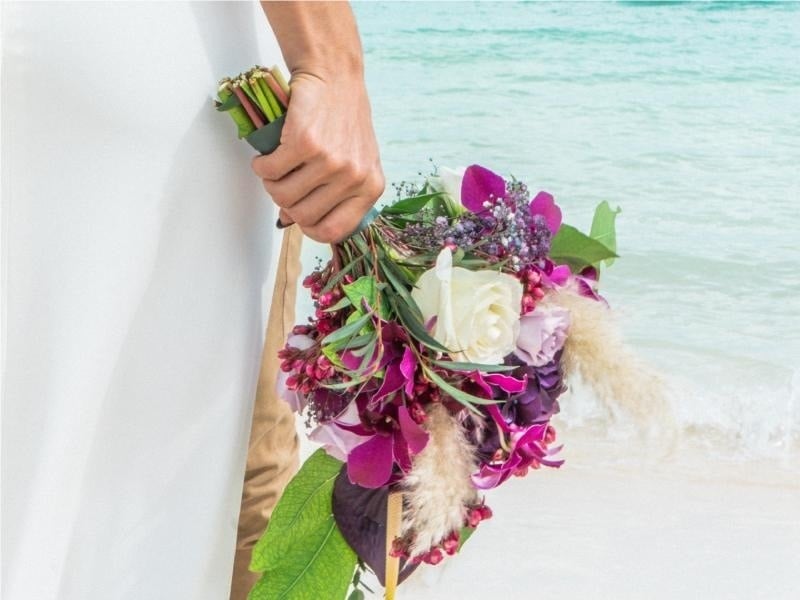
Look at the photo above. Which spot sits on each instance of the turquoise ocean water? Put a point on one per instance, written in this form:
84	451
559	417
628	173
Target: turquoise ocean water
685	115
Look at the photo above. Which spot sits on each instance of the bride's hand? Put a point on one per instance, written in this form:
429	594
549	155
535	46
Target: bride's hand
326	174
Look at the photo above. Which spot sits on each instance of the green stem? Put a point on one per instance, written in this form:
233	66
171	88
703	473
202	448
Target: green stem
269	95
263	102
277	89
251	110
237	113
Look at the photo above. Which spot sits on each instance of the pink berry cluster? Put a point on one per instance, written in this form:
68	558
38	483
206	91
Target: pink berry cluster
448	546
533	291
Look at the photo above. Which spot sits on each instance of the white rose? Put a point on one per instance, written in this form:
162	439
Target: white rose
477	312
448	181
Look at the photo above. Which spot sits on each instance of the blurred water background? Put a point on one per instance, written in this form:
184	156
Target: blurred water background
687	115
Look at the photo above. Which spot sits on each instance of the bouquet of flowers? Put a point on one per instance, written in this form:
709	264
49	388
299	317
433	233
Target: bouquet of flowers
443	334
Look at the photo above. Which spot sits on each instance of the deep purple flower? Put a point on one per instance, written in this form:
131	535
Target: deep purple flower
539	401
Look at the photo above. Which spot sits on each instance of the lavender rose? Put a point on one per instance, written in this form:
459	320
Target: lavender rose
542	334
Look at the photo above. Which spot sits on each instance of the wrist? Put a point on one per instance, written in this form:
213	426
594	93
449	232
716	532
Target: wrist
347	66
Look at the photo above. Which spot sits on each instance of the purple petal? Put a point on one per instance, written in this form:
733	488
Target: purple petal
560	275
478	185
361	517
401	454
293	398
478	378
407	367
544	205
490	477
393	380
350	360
337	441
494	412
415	436
370	464
509	384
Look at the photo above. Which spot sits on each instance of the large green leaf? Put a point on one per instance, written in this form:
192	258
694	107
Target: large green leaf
603	229
409	205
302	555
578	250
363	288
367	288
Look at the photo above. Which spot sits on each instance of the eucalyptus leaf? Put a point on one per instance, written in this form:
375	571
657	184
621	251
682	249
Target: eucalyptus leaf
463	397
415	326
578	250
366	349
342	303
302	554
346	385
347	331
396	280
468	366
339	276
603	228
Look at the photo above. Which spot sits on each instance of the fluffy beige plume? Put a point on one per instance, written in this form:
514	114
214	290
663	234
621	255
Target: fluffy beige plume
595	350
438	488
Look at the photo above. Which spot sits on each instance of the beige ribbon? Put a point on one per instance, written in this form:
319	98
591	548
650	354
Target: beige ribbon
394	514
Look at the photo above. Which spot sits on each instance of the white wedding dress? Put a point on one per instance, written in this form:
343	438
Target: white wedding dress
138	250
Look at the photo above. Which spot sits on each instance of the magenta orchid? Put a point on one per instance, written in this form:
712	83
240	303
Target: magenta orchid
526	447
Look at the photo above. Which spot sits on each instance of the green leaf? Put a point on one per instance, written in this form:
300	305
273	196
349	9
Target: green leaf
415	326
342	303
333	281
468	366
347	331
366	349
332	354
466	399
466	533
578	250
603	229
356	595
302	554
397	278
346	385
362	288
409	205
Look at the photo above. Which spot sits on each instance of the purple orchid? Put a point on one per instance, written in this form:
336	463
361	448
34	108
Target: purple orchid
544	205
387	433
527	448
396	440
478	185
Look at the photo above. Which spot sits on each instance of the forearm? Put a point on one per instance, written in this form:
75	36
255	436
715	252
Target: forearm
316	38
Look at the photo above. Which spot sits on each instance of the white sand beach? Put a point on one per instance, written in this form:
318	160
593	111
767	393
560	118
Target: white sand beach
642	532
